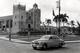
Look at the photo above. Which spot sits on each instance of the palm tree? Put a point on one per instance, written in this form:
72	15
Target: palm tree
78	28
56	19
48	22
68	23
72	25
64	18
78	24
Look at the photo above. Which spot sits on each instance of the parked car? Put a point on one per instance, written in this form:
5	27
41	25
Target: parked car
48	41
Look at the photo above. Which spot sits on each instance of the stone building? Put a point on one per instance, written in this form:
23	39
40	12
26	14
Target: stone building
22	20
35	14
4	22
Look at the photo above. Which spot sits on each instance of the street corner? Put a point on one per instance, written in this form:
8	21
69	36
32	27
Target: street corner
16	40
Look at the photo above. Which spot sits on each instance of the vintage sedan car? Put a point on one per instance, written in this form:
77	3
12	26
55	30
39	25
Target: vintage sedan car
47	41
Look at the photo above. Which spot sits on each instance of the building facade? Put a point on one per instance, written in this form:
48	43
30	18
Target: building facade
22	20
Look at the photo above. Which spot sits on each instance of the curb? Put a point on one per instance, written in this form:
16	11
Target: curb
77	41
15	40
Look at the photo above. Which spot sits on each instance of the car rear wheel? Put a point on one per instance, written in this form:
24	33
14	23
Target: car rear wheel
60	45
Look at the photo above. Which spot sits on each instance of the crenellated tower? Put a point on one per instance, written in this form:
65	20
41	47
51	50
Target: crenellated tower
35	14
19	18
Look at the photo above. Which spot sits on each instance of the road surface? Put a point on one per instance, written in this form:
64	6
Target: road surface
12	47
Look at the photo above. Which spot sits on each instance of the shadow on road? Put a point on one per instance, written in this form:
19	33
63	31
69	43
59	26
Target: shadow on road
56	48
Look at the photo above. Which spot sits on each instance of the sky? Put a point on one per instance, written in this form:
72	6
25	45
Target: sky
70	7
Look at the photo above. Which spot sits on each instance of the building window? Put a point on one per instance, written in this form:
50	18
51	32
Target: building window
21	22
21	17
29	26
29	17
15	16
15	23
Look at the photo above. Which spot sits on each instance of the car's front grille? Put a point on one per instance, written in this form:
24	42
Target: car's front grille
35	43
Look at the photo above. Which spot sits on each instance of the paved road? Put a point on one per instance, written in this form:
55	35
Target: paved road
11	47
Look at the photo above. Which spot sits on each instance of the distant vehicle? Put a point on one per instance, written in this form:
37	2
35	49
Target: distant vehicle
47	41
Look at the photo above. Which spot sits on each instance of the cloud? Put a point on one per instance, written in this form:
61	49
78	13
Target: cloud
6	7
71	7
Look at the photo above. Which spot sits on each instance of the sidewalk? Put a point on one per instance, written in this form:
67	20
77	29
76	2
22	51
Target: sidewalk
25	42
15	40
76	41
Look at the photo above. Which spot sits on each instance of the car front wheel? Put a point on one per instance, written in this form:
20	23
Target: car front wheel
34	47
44	46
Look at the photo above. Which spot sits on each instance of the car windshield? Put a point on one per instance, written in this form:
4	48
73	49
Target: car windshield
45	37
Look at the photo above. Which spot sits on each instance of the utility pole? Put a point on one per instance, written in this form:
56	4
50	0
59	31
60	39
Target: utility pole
59	17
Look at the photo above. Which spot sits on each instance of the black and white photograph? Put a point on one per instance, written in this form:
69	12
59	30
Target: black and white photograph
39	26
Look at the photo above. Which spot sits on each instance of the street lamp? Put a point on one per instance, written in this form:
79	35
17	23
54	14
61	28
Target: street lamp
9	30
29	29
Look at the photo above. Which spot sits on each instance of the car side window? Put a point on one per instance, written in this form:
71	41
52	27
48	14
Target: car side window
55	38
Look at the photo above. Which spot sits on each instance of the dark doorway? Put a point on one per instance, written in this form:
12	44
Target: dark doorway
29	26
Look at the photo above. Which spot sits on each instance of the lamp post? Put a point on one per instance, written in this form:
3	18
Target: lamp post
29	29
9	30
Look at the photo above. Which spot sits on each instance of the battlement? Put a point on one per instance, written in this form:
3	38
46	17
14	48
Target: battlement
19	7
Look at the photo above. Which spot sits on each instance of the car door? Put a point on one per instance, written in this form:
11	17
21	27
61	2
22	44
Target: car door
56	41
51	42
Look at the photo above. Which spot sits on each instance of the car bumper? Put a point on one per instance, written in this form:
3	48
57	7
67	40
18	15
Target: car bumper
37	46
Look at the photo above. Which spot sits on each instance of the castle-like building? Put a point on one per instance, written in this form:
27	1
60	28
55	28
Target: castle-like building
22	20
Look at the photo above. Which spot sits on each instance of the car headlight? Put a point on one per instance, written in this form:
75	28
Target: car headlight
61	40
35	42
